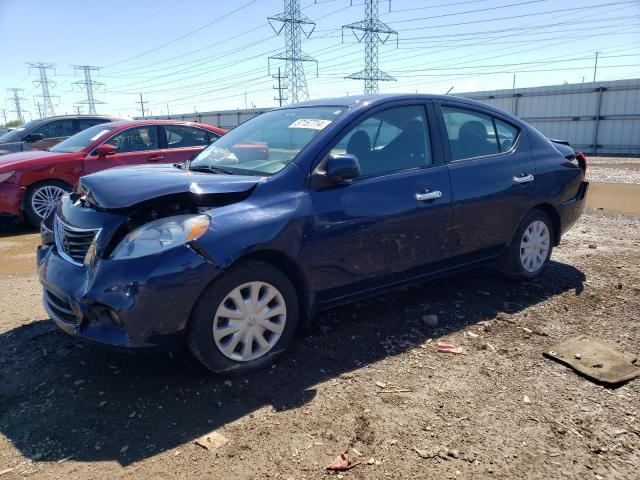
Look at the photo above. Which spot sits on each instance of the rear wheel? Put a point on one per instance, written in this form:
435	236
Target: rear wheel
530	249
244	320
42	198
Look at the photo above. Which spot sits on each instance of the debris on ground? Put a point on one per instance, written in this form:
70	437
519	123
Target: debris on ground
341	463
212	441
595	359
444	347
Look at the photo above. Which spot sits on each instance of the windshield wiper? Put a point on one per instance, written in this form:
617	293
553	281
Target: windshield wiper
209	168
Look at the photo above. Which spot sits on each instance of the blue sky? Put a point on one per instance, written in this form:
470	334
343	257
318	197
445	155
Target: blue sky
205	54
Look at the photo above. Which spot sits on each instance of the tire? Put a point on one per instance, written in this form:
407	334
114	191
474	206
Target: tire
35	200
538	227
225	353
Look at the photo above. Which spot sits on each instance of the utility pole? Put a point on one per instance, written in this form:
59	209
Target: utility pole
17	105
373	32
168	109
4	115
89	84
39	110
77	109
595	67
45	84
142	103
294	24
280	88
245	100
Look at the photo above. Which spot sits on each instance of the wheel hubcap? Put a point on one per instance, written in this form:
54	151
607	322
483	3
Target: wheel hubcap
45	199
249	321
534	246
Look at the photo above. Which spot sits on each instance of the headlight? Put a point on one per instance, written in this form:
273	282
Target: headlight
161	235
5	176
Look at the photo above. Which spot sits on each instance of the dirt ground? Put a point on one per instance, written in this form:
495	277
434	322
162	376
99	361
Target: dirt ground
366	378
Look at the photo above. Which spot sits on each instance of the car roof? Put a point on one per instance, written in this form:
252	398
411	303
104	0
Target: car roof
79	117
133	123
368	101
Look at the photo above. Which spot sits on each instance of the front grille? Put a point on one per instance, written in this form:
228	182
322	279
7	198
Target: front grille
60	308
73	242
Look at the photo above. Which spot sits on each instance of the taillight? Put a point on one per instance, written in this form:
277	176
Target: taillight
582	161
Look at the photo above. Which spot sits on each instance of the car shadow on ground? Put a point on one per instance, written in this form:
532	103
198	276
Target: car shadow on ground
61	398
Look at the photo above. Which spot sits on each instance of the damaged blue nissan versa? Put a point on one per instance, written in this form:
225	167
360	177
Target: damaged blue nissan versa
300	209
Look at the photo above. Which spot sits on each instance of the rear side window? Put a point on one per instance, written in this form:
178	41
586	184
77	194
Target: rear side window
181	136
474	134
507	134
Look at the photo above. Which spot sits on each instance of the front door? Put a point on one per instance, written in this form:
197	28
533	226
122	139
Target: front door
392	220
136	145
181	142
492	177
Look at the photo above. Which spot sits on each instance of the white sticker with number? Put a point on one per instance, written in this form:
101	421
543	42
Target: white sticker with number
99	134
311	123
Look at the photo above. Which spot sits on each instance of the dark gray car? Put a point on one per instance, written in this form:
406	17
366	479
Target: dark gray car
44	133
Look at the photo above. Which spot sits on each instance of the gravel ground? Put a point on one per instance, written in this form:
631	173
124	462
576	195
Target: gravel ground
613	170
366	378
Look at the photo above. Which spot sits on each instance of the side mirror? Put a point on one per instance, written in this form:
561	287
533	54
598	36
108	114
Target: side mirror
33	137
342	167
104	150
336	169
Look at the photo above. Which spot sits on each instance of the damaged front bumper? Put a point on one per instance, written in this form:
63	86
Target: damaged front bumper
142	303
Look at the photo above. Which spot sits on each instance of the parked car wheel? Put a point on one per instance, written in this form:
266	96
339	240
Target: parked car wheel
244	320
41	199
531	247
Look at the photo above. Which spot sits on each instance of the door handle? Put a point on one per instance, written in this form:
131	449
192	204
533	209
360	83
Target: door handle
155	158
523	179
429	195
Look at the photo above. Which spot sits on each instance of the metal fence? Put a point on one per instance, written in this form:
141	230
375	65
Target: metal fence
598	118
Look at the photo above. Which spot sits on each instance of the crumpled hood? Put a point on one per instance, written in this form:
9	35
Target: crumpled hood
123	187
14	161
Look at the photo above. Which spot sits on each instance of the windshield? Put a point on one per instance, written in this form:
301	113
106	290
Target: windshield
19	132
267	143
82	140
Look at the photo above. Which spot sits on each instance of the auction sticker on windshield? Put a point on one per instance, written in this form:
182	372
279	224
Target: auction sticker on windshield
99	134
312	123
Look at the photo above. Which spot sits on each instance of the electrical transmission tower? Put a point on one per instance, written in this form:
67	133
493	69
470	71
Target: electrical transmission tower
89	84
373	33
46	85
294	24
16	99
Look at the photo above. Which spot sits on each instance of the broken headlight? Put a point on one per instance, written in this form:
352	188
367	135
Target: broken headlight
161	235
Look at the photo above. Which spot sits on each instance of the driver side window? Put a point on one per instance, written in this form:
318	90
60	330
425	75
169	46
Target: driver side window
392	140
136	139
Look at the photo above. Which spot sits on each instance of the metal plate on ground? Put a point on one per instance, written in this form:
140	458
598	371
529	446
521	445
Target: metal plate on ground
595	359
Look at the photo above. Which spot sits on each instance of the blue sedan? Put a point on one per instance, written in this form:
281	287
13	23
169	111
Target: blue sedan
297	210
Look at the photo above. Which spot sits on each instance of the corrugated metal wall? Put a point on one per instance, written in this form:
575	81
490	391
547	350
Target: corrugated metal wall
598	118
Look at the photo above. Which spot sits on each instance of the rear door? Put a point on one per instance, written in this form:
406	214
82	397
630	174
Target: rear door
394	219
180	142
135	145
492	177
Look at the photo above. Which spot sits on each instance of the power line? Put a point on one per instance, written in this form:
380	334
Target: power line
16	99
374	32
89	85
46	85
295	24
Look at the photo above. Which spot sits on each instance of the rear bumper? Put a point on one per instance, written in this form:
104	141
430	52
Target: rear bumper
138	304
571	210
11	199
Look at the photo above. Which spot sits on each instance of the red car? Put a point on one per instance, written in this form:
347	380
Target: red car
32	182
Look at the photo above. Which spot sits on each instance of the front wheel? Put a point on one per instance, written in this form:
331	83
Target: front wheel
244	320
42	198
530	249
